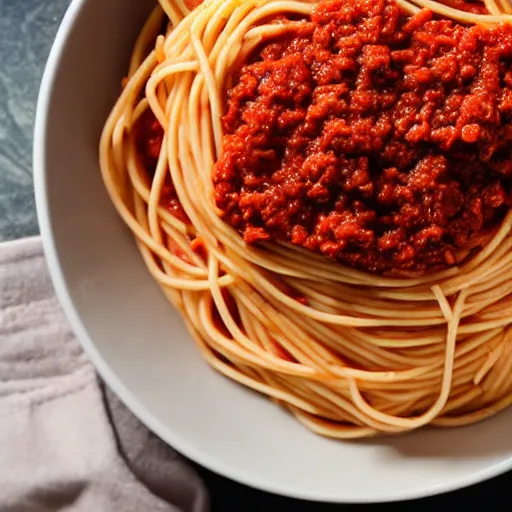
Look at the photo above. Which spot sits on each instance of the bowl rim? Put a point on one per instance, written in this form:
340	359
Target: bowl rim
174	440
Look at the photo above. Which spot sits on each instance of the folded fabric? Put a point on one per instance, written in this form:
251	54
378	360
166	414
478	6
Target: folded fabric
66	442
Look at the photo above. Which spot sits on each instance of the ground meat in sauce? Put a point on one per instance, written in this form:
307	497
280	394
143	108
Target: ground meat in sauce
377	138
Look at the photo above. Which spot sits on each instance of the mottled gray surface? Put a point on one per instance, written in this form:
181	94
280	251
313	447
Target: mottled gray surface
27	30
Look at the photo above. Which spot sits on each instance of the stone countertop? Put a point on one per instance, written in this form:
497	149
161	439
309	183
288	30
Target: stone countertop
27	29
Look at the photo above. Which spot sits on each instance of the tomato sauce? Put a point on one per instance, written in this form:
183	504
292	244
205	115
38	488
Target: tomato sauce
148	137
376	138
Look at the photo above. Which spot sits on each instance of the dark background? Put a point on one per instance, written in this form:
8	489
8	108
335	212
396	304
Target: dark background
490	496
27	29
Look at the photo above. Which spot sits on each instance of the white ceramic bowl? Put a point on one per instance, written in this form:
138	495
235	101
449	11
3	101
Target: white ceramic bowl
140	346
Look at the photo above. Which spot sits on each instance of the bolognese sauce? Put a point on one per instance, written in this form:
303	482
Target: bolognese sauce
374	137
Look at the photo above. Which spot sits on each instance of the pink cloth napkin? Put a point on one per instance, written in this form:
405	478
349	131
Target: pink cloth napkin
66	442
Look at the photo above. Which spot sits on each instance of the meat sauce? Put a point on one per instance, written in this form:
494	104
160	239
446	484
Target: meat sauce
373	137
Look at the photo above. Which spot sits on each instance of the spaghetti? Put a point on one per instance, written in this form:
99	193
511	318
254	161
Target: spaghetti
349	353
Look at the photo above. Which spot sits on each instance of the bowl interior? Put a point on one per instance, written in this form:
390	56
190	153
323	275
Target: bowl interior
138	342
